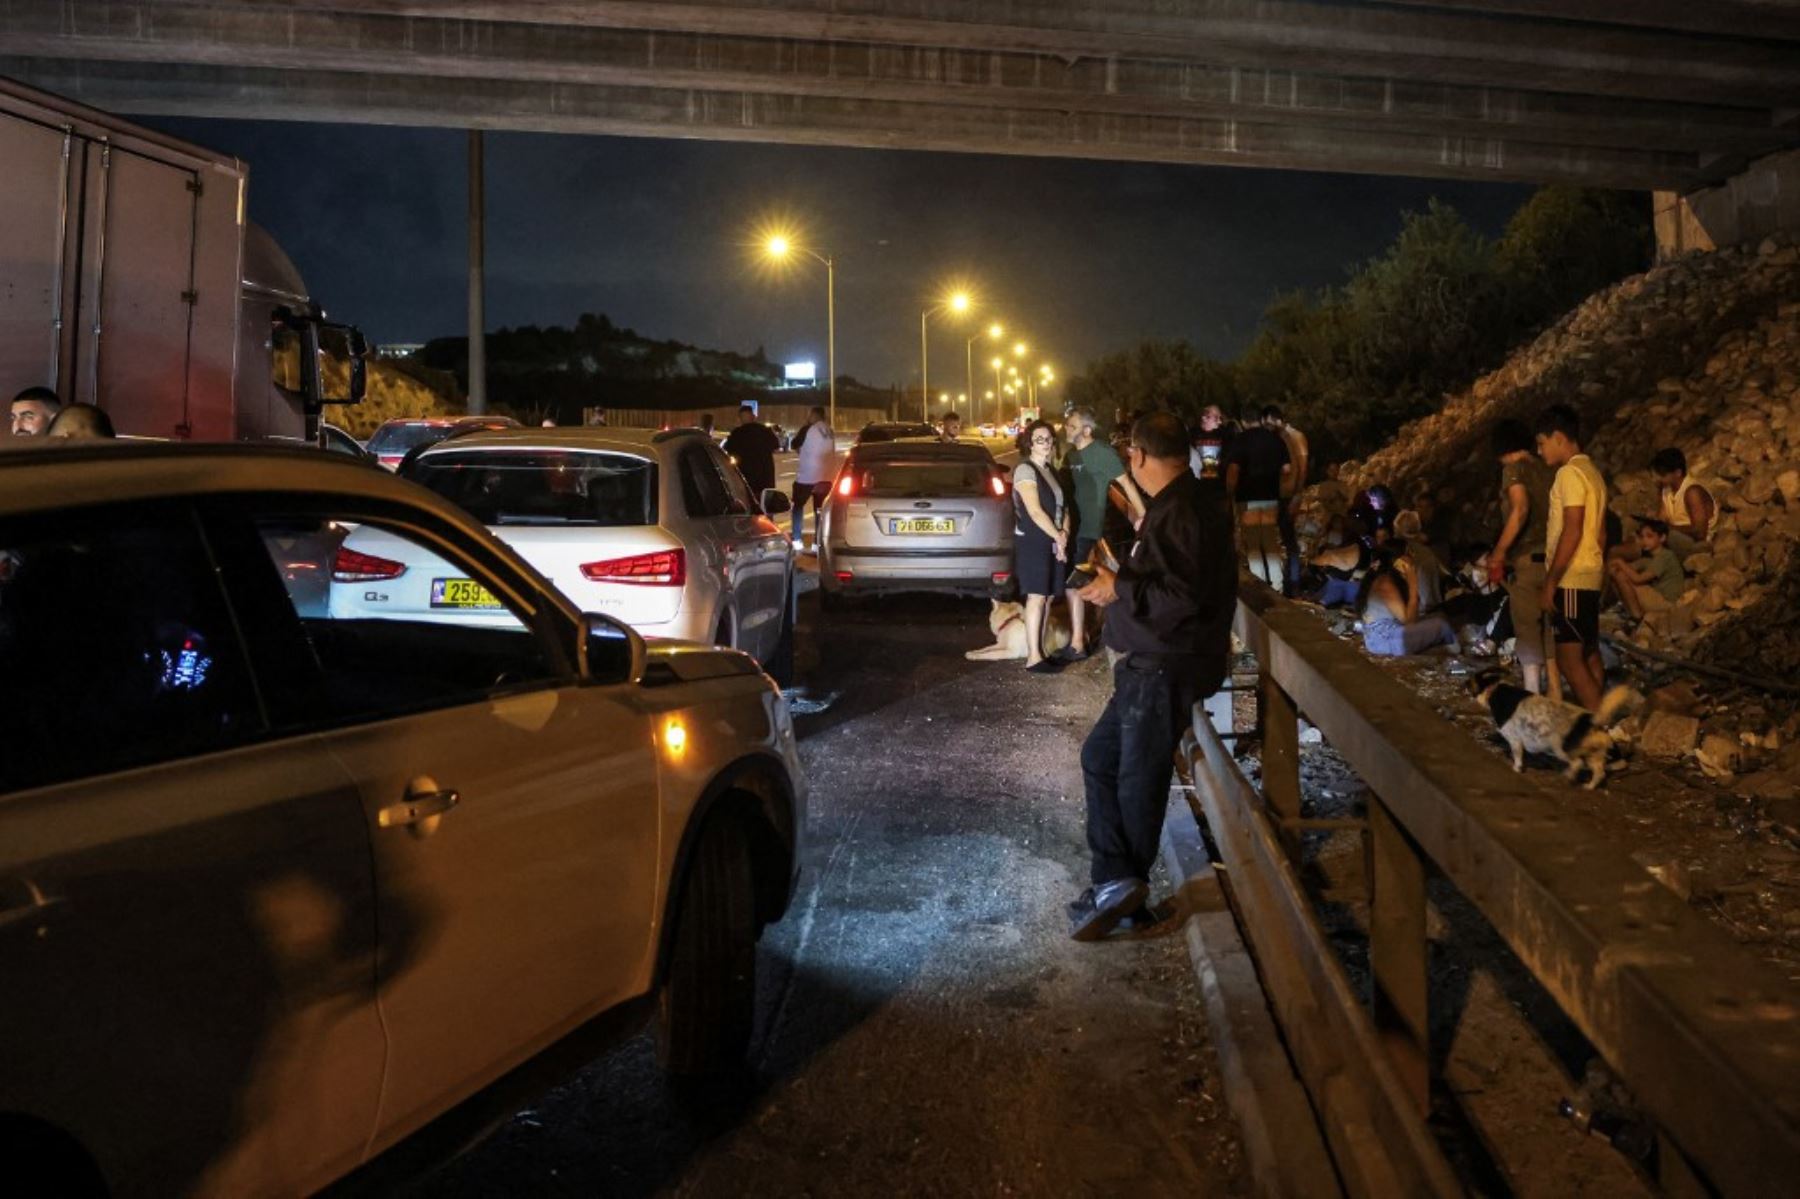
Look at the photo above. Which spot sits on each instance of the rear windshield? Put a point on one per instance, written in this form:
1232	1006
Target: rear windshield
894	432
543	487
922	477
397	439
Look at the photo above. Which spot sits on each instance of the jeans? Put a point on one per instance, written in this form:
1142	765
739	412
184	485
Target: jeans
1339	591
816	492
1391	639
1128	759
1290	540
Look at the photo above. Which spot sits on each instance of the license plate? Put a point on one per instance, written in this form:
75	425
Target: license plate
461	593
922	524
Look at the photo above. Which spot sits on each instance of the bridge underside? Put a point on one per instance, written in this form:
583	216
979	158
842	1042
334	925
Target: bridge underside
1667	94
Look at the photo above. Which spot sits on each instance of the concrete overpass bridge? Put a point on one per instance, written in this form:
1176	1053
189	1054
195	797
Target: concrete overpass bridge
1650	94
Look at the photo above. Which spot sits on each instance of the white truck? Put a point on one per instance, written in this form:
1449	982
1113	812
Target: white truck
130	279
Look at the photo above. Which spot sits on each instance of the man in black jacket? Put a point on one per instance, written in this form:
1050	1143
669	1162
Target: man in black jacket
753	444
1169	610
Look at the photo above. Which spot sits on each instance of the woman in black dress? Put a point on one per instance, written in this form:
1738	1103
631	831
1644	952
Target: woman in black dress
1040	537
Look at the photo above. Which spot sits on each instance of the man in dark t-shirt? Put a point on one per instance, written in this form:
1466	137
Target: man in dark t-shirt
752	444
1255	467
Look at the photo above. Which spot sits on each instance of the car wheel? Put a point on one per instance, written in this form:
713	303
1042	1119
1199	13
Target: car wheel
708	999
722	635
781	663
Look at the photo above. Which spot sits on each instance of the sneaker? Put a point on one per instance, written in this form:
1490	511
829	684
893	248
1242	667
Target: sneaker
1098	910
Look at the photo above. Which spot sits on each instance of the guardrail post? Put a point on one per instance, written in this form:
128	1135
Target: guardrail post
1280	760
1398	952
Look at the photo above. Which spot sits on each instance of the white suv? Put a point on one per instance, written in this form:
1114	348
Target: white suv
281	884
657	529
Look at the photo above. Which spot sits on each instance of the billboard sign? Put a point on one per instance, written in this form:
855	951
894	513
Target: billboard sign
802	372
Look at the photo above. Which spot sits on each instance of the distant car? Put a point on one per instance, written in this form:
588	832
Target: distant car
337	441
656	529
391	442
917	516
276	889
894	431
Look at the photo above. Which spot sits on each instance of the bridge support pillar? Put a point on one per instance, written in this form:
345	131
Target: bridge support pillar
1763	199
477	277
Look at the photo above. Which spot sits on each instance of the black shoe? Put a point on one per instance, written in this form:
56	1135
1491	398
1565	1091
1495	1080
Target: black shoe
1070	654
1099	909
1044	666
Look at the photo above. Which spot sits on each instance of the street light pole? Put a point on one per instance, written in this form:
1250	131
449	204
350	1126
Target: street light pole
924	368
831	334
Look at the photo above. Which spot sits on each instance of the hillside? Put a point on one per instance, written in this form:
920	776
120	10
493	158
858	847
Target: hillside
1702	353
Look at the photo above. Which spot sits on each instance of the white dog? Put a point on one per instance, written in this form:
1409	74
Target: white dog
1007	622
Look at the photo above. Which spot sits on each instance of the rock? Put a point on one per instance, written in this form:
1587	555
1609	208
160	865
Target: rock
1668	735
1720	756
1777	785
1679	698
1666	870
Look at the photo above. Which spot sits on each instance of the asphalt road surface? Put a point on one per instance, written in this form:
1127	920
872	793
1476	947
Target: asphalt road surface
925	1027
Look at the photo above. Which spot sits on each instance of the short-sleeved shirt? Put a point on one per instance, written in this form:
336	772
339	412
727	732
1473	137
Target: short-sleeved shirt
1207	458
1579	484
1666	574
1093	467
1259	453
1051	503
1531	473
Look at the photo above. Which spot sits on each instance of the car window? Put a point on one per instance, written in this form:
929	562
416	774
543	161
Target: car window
398	438
702	490
543	487
116	646
363	620
922	477
738	491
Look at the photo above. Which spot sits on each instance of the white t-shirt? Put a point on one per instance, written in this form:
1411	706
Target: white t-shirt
1579	484
818	454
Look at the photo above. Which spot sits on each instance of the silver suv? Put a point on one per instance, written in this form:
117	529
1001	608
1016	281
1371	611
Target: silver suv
279	885
917	515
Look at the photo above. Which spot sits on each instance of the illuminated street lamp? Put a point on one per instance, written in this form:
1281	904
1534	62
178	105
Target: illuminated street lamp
778	247
997	364
957	302
994	332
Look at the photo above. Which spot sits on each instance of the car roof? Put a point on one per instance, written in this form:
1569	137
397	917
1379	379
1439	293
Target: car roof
594	438
920	448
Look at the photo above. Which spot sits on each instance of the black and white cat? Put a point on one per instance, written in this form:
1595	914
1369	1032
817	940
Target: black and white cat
1533	723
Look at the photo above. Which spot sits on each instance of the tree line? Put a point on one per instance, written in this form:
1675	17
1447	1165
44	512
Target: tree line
1438	308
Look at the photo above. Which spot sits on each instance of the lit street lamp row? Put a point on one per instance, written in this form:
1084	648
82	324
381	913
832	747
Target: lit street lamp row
779	247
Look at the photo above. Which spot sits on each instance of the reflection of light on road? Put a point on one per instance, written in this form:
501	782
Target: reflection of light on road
802	704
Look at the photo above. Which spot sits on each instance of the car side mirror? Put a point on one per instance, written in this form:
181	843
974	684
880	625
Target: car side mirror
776	502
611	651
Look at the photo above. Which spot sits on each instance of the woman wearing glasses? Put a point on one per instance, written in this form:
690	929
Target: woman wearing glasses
1040	537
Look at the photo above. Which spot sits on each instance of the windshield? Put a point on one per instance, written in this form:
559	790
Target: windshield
543	487
397	439
922	477
895	432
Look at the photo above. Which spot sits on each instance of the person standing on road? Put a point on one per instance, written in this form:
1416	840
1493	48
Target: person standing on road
1256	469
1207	458
752	444
1040	537
816	448
32	411
1517	559
1170	606
1293	482
1575	543
1095	466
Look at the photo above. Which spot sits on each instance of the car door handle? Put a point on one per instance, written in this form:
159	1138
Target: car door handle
29	902
419	805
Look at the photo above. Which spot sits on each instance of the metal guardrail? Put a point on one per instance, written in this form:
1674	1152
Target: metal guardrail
1706	1037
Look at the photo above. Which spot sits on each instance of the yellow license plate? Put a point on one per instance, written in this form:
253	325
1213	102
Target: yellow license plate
922	524
461	593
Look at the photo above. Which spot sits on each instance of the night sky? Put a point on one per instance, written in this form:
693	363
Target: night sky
1083	257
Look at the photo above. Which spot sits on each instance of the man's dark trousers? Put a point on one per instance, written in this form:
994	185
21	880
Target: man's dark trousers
1128	760
1290	546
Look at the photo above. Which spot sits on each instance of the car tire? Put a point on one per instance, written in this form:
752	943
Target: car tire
707	1004
722	634
781	663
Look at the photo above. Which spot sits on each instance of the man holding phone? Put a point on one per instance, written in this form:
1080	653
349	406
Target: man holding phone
1170	607
1096	466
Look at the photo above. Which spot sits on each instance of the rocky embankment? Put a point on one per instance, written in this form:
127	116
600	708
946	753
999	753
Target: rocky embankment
1702	353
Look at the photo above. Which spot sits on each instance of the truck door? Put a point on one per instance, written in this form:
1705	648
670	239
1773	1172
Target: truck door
31	246
137	291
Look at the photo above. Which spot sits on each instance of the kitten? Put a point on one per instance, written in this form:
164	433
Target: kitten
1538	724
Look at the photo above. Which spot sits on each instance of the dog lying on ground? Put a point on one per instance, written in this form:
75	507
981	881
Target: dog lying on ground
1532	723
1007	622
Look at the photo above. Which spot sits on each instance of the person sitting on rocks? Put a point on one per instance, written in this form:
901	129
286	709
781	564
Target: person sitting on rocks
1653	582
1409	531
1345	560
1389	603
1688	507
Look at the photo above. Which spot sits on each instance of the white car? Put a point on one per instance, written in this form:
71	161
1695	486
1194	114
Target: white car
656	529
280	885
